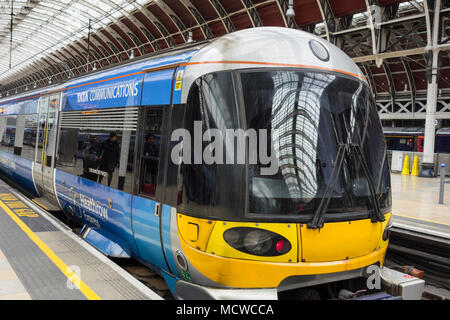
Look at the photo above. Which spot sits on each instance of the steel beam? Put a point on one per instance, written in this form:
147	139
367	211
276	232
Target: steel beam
252	13
428	150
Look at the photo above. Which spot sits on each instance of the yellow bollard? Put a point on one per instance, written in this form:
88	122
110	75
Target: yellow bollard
415	168
406	166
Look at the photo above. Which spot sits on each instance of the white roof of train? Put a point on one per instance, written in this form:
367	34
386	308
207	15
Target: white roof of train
265	47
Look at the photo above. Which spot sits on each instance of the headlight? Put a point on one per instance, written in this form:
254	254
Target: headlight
257	242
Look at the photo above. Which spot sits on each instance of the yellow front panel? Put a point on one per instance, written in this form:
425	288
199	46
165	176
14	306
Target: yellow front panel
340	240
241	273
218	246
195	231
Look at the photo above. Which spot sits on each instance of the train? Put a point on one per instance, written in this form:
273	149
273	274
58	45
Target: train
412	139
302	213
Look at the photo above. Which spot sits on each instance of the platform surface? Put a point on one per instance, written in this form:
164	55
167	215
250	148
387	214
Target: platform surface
415	202
41	260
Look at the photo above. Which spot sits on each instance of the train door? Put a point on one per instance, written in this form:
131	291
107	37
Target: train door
150	215
45	145
146	208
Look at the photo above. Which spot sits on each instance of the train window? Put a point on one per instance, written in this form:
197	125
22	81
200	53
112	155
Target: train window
20	130
3	122
314	119
211	190
375	152
29	136
8	133
42	125
66	156
99	146
51	130
172	191
150	151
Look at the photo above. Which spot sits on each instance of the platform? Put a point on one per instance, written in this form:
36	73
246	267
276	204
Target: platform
41	259
415	203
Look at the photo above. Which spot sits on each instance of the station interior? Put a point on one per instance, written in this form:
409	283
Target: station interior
121	222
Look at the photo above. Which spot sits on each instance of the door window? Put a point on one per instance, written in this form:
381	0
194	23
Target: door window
42	127
150	150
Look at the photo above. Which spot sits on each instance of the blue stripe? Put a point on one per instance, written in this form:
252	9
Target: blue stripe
97	91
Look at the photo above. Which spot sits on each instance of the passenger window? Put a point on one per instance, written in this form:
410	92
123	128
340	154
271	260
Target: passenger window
29	136
150	150
18	135
3	122
8	132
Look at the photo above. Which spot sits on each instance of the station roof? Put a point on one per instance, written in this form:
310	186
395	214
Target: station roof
53	40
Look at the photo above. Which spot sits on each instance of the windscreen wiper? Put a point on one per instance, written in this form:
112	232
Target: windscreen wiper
318	219
376	214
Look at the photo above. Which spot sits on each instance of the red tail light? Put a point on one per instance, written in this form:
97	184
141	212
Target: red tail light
282	247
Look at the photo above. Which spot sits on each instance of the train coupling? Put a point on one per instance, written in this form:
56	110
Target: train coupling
401	284
395	286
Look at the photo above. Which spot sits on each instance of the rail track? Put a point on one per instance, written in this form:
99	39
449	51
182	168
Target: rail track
425	251
139	271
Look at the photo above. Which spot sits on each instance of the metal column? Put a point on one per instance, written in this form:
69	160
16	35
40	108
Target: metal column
430	130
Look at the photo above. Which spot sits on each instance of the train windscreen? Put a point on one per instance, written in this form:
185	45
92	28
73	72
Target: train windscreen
327	137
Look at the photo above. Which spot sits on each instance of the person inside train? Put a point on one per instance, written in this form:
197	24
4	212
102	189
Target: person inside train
151	153
110	157
150	148
91	157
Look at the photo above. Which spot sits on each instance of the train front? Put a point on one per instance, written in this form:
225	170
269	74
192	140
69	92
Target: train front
285	189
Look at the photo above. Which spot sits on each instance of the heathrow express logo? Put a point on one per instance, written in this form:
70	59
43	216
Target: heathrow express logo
230	146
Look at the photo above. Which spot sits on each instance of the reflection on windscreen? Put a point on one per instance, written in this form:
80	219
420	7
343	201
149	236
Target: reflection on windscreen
310	115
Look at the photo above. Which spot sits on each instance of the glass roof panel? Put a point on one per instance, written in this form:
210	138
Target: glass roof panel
54	28
41	27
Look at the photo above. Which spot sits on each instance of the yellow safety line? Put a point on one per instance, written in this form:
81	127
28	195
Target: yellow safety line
70	274
420	219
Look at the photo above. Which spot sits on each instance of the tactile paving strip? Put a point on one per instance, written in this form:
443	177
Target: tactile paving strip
32	219
40	277
107	283
38	224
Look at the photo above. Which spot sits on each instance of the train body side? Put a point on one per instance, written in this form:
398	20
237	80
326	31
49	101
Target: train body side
106	212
